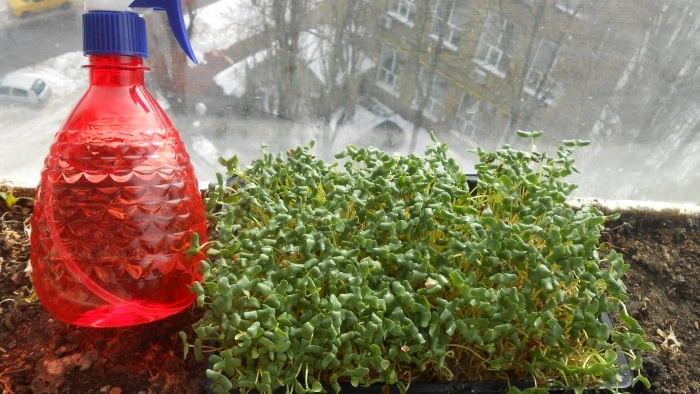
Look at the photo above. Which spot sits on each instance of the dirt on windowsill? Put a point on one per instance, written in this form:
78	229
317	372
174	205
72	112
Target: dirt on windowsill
41	355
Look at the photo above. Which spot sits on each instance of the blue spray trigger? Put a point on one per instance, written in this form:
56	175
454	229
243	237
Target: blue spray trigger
173	10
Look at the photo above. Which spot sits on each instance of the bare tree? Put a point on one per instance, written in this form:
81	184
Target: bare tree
286	17
344	59
426	75
167	59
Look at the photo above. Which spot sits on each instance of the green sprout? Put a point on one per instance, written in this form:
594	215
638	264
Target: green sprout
6	195
391	269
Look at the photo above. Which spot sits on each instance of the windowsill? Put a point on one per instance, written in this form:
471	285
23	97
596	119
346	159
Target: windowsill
426	114
430	117
529	90
566	10
401	18
491	69
388	89
462	134
542	99
446	44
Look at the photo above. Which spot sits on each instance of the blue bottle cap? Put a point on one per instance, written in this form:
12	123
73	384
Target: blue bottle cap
114	33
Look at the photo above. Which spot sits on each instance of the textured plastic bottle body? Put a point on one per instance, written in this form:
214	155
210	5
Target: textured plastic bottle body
116	207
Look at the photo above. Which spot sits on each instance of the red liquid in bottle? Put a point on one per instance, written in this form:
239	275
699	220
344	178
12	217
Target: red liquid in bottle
116	208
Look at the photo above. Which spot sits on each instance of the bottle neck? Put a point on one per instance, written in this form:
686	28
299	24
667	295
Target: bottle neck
116	70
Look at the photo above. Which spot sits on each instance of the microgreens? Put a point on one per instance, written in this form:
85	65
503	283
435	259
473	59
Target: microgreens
380	268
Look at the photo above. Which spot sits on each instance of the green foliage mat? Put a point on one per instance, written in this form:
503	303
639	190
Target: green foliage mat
380	268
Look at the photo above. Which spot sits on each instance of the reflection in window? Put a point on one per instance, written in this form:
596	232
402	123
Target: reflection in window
449	21
403	10
496	45
538	81
433	90
388	70
466	123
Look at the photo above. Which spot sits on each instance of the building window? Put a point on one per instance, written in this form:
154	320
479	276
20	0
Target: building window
403	10
538	80
389	70
433	94
571	7
449	21
496	45
466	123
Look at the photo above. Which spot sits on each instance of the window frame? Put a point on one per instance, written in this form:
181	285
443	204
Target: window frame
453	27
403	11
22	93
544	80
433	101
460	121
498	46
393	73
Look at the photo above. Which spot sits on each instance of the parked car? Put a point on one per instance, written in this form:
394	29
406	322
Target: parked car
23	8
22	88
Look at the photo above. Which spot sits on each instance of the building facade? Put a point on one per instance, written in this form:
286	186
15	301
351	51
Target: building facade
472	71
483	69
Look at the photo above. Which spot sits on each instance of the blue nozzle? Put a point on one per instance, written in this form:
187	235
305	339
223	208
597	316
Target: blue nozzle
173	9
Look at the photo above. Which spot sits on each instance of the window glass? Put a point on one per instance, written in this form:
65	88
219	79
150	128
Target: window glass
449	22
539	81
388	73
38	86
467	122
431	94
403	10
496	44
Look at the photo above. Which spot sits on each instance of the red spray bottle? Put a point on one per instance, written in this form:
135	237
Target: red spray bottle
118	203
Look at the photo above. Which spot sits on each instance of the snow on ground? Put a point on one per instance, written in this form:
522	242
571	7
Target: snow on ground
65	73
222	24
233	80
316	50
29	129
